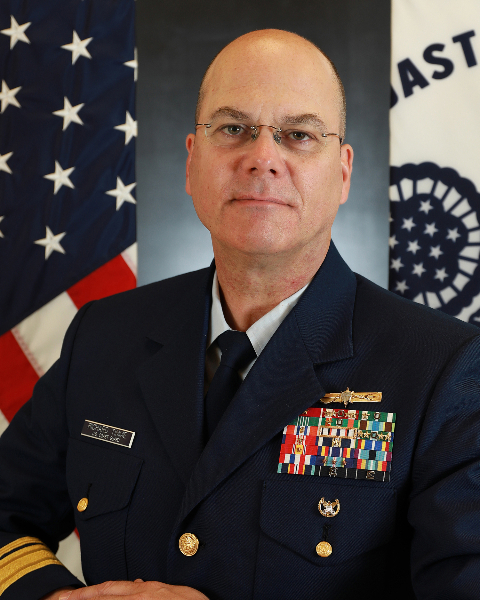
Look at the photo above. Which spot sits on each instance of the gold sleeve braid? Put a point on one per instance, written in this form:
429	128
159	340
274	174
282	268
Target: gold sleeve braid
21	557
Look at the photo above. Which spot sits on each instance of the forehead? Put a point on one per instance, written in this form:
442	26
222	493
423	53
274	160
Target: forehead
272	78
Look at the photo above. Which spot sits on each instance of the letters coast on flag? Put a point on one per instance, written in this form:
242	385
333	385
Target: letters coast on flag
434	155
352	444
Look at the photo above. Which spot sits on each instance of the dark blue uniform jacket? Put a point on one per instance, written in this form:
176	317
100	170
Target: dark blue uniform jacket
136	361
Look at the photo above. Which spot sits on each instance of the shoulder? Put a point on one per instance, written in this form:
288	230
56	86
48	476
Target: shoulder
388	314
168	291
162	295
139	311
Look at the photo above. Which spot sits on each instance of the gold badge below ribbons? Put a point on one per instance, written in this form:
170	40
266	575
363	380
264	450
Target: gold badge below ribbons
329	509
350	396
324	549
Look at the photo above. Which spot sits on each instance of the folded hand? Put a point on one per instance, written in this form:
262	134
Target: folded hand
124	590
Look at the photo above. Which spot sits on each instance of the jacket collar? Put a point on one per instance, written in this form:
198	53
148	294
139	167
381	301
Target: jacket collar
172	378
325	312
282	383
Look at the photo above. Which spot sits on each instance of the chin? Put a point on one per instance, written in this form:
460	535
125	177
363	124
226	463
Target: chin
257	246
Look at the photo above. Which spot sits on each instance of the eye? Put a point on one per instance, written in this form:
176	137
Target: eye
298	136
233	129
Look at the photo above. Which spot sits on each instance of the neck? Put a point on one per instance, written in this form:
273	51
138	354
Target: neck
251	286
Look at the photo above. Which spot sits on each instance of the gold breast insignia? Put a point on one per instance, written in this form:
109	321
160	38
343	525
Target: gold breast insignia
329	509
350	396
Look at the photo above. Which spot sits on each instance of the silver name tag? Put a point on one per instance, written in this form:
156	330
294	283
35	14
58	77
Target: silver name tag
107	433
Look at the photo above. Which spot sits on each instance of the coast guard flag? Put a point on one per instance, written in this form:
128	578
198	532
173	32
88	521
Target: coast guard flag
67	177
435	155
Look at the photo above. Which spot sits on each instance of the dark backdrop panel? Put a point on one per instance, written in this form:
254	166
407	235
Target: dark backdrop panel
176	42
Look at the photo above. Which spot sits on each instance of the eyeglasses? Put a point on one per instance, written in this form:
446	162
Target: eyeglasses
304	140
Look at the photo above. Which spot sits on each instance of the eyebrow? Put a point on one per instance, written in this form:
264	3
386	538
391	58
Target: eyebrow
303	119
229	111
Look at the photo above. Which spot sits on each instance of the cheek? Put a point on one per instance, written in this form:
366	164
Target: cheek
321	192
206	183
204	173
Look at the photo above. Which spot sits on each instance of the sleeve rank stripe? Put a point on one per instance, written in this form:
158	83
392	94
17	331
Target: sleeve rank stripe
19	543
29	558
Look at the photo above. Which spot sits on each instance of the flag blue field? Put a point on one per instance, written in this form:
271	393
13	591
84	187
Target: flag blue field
67	171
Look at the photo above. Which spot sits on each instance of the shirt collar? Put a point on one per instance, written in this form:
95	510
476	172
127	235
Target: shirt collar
262	330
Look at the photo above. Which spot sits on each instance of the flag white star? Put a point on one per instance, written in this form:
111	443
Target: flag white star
430	229
425	206
69	113
16	32
435	251
60	177
133	64
51	242
1	234
418	269
390	218
408	224
440	274
396	264
129	128
413	247
122	193
401	286
453	234
78	47
392	241
3	162
7	96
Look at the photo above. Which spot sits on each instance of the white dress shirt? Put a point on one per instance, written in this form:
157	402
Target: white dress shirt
259	333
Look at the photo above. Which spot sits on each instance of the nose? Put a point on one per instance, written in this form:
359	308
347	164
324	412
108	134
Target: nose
263	156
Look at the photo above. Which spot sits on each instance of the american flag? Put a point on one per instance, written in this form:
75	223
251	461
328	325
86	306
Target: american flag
67	177
67	174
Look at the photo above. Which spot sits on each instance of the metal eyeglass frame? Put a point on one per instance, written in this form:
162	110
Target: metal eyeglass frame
276	131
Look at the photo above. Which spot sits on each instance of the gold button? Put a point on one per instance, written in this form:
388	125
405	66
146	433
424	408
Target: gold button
324	549
82	505
188	544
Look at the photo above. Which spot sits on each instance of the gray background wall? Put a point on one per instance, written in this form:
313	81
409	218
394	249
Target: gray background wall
177	40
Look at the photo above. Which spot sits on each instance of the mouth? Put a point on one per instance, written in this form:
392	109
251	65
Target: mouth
257	198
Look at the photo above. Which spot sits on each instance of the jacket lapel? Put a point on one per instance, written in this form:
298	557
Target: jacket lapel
172	379
282	383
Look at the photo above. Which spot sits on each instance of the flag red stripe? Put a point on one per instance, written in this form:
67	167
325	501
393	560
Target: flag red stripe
17	376
113	277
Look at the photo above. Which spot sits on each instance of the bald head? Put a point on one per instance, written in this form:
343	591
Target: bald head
273	45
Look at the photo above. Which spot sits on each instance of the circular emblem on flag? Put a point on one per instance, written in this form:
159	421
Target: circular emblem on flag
435	239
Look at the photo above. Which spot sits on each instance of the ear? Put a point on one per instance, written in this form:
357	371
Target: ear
346	157
190	144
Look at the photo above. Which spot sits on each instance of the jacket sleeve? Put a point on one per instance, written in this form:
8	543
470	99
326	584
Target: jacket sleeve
35	509
445	501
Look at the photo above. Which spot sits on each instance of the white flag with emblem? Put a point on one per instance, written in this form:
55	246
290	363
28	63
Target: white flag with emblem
435	155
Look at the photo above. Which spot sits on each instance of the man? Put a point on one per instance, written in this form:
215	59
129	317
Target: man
224	507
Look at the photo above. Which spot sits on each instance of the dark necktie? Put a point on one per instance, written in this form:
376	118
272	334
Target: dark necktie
237	353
